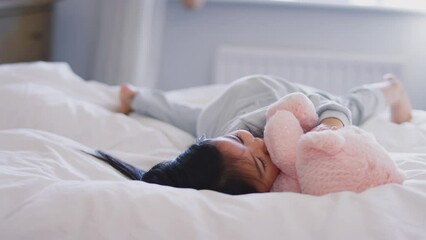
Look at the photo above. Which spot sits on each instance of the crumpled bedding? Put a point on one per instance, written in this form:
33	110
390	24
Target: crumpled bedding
50	189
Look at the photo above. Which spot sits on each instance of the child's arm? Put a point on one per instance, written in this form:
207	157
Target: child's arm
331	116
331	113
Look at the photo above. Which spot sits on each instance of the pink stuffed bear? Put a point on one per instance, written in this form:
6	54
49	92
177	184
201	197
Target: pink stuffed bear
321	162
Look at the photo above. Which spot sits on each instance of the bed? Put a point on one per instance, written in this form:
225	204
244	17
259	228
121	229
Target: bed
50	189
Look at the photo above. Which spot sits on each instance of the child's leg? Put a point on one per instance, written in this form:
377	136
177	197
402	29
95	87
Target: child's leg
370	99
154	104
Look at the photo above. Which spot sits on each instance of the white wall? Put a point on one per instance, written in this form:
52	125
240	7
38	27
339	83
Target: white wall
191	38
415	58
74	37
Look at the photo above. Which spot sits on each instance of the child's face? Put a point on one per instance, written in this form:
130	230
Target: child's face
252	156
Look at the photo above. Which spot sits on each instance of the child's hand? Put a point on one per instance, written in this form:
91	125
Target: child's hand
329	124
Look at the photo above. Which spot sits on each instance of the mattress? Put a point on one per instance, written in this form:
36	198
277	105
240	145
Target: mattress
50	189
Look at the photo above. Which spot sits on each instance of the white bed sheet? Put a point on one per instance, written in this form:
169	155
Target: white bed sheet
50	190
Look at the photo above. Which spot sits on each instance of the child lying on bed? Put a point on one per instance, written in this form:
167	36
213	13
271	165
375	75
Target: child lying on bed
230	155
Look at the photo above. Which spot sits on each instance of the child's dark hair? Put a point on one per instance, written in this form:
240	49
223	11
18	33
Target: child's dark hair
201	166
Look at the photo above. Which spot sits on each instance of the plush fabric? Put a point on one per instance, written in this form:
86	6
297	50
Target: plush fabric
326	161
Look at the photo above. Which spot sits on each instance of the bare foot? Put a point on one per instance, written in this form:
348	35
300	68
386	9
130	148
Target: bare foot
126	97
397	99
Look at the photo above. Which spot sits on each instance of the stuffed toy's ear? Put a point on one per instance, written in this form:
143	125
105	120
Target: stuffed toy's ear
301	107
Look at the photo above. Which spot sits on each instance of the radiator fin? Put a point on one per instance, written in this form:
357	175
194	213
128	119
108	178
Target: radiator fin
334	72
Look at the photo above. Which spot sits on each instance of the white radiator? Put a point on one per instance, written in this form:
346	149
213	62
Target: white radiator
334	72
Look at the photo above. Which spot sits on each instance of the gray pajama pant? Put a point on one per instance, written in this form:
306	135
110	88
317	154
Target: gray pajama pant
246	95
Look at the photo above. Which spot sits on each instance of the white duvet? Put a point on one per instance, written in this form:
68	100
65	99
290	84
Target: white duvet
49	189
